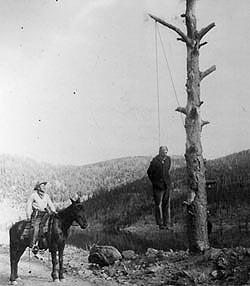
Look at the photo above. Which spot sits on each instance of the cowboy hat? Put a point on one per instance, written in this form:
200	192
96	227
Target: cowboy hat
38	185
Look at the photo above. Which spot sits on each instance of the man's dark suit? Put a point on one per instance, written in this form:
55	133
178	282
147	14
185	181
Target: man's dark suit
158	173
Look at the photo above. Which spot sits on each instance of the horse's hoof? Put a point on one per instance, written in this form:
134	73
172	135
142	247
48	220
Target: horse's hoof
13	282
18	279
62	280
56	280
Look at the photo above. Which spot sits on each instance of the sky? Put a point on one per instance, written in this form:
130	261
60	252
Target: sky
78	79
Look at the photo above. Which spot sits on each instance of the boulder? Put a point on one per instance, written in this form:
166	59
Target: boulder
152	253
104	255
129	254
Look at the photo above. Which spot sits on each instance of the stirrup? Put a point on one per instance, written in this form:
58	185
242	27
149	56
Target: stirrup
35	249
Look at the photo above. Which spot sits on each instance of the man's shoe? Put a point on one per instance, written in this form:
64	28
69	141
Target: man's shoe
161	226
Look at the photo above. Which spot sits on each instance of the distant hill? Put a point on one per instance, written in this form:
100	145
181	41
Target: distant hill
118	190
18	176
231	169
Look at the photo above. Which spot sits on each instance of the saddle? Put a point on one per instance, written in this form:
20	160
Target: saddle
43	231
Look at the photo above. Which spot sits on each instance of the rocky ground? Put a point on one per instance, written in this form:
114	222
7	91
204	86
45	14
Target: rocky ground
227	266
156	267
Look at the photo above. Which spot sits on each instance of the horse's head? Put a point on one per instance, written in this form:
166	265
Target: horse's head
79	213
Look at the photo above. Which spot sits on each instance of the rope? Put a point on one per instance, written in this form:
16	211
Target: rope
169	70
157	85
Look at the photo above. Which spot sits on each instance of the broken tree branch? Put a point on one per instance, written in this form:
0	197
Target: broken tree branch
203	123
205	30
172	27
207	72
182	110
180	39
201	103
202	44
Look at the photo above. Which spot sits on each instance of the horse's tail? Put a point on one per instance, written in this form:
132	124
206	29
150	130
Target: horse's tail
10	235
13	234
20	231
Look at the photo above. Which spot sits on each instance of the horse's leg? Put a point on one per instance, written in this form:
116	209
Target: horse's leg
19	254
16	251
54	266
61	277
13	264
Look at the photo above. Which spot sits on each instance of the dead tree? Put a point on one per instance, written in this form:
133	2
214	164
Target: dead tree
197	203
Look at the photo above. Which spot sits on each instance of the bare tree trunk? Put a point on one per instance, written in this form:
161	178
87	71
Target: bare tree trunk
197	203
197	210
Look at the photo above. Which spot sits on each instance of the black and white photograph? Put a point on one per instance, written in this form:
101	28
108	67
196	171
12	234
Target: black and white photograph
125	142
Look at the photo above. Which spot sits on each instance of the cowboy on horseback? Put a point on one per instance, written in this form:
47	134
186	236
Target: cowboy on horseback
38	205
57	234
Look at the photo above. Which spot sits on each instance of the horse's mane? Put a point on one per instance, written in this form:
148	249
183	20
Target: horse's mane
63	210
66	209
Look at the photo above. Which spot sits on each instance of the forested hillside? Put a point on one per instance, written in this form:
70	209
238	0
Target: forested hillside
124	205
119	191
18	176
231	169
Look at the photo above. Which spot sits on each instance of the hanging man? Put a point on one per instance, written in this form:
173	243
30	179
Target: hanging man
158	173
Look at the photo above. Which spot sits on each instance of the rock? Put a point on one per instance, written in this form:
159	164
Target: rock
248	251
202	277
240	249
151	252
84	273
104	255
104	275
183	281
129	254
111	271
215	274
222	263
154	269
212	253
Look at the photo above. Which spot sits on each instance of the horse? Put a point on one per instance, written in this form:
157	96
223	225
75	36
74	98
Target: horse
56	236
